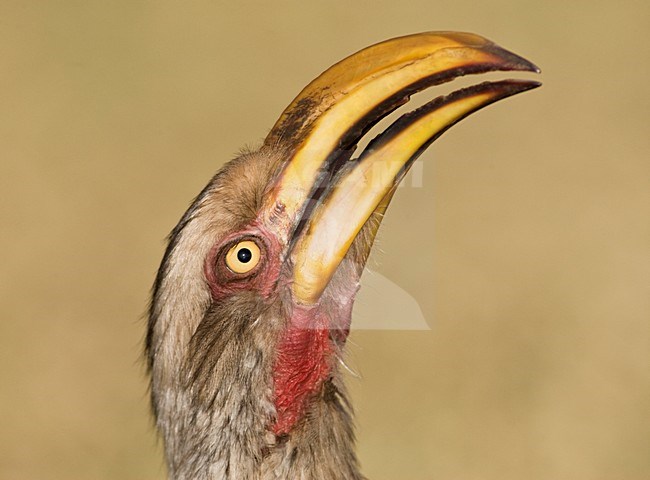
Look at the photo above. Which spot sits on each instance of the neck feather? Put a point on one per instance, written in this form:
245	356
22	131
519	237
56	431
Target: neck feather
233	409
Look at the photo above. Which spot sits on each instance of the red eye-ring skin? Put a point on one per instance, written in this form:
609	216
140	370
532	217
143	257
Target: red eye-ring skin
263	277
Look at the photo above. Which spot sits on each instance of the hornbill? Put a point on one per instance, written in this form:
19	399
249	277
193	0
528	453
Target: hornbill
252	303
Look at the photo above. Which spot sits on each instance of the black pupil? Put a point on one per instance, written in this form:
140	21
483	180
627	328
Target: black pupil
244	255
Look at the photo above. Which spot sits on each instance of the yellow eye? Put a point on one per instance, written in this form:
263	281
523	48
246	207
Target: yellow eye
243	257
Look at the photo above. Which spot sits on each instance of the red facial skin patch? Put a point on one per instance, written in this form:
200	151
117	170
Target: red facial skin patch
303	363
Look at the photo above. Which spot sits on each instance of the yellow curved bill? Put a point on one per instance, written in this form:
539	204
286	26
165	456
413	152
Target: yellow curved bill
367	185
333	111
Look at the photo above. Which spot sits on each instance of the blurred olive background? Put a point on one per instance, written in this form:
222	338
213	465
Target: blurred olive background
527	247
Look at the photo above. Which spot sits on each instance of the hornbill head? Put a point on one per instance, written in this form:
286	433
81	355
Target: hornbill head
252	303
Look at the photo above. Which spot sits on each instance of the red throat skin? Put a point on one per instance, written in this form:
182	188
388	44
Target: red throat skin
303	363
